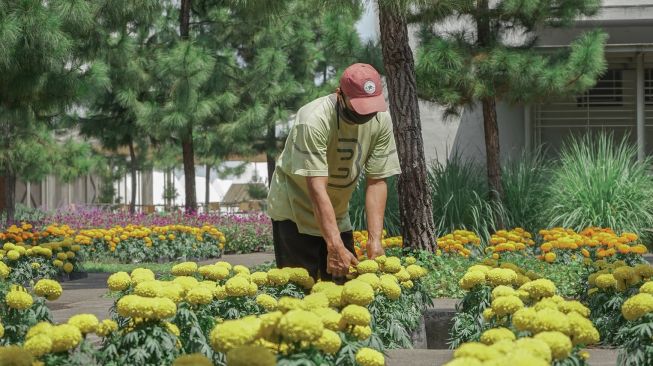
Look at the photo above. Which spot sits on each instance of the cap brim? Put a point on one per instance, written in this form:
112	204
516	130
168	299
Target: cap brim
368	105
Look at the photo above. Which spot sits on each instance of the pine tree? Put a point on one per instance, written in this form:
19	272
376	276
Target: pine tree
123	42
492	57
44	67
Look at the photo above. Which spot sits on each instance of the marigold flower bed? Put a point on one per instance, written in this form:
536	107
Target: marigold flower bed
220	314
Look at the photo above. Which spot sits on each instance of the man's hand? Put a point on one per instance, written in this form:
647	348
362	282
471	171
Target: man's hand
339	259
374	249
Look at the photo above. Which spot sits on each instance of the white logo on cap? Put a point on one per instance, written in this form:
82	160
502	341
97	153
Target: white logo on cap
369	87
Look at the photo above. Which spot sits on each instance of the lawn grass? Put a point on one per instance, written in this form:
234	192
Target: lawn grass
112	267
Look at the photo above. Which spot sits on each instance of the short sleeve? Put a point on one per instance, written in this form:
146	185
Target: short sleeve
309	151
383	161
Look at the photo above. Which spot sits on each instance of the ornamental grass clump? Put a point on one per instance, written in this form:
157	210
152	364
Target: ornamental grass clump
600	182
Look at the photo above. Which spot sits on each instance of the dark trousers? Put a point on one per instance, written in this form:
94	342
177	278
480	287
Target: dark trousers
294	249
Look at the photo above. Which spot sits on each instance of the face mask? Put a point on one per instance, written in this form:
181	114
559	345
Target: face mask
352	116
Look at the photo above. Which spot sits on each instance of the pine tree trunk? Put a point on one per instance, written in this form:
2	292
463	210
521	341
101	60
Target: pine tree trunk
207	188
415	205
189	172
132	167
10	196
491	128
490	124
184	19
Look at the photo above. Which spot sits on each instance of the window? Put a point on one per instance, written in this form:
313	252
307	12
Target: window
608	91
648	86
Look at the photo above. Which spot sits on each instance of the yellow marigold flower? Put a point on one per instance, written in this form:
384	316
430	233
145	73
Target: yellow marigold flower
574	306
237	286
644	270
13	255
488	314
550	320
149	288
260	278
49	289
199	296
186	282
501	276
391	265
86	323
314	301
141	274
637	306
287	303
416	272
624	273
193	359
479	268
582	331
523	319
300	325
361	332
402	275
539	288
492	336
506	305
119	281
251	356
267	302
407	284
234	333
476	350
647	287
15	356
559	343
536	347
239	268
550	257
19	300
606	281
184	269
4	270
38	345
68	267
65	337
172	329
213	272
357	292
106	327
472	279
329	342
62	256
371	279
390	288
331	319
367	266
369	357
410	260
135	306
356	315
278	277
502	290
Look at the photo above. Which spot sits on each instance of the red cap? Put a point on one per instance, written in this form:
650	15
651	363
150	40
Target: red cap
361	83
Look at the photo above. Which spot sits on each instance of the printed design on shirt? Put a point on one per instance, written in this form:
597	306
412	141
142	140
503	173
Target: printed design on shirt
348	149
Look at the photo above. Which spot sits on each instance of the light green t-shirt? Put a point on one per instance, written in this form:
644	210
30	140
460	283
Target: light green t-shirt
320	145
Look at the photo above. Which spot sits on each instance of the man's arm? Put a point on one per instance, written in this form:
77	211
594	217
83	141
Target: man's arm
339	258
376	193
